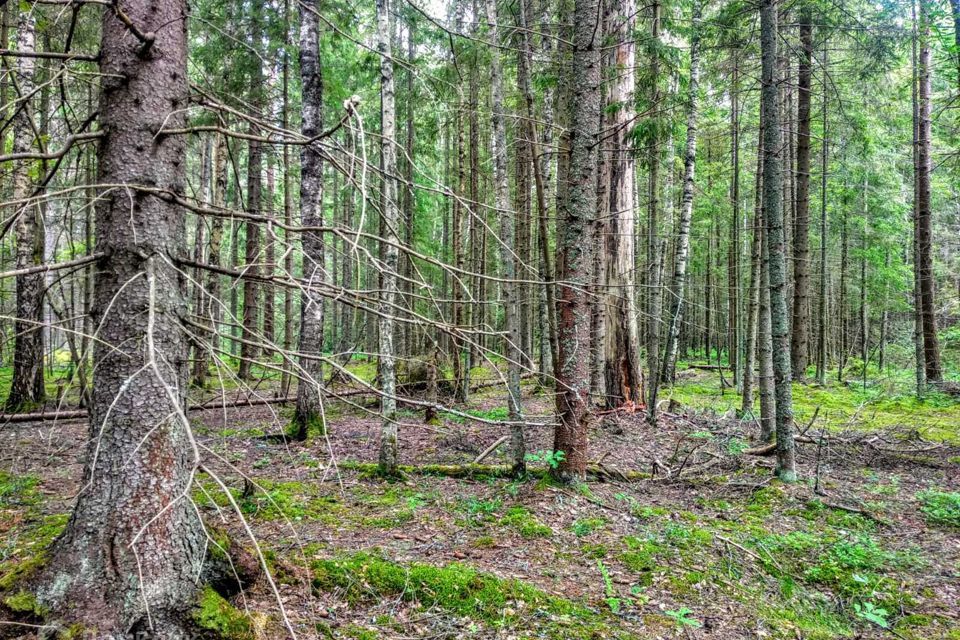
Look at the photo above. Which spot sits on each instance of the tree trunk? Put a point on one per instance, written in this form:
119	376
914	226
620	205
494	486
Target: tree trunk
800	336
753	311
621	351
734	338
508	258
918	342
682	255
573	375
129	558
654	292
931	346
308	414
391	216
773	215
822	310
27	389
251	287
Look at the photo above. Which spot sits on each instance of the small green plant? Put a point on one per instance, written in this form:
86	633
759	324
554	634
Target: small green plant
550	458
586	526
872	613
941	508
683	619
611	593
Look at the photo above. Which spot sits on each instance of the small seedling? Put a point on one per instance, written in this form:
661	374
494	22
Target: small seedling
872	613
683	619
551	458
612	600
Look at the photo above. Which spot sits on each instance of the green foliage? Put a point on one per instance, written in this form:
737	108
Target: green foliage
611	593
551	458
941	508
872	613
24	602
682	618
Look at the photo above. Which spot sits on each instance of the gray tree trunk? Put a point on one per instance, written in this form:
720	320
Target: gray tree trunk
654	292
129	559
773	215
391	216
309	412
800	335
508	257
27	390
682	255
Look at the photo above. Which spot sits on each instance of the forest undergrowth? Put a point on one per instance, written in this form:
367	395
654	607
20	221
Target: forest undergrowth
680	532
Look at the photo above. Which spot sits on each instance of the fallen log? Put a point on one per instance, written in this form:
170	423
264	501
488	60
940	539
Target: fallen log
770	449
594	473
80	414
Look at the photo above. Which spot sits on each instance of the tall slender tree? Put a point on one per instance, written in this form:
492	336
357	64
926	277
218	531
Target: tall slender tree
800	333
27	387
309	410
508	256
390	217
621	351
575	253
773	215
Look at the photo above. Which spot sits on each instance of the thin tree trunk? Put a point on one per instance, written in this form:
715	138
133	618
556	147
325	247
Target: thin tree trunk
508	258
773	215
682	255
571	435
27	388
251	289
800	335
753	311
822	311
919	354
308	415
931	346
391	217
654	292
734	338
128	560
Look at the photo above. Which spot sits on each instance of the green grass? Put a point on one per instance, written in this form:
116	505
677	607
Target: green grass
941	508
461	590
891	403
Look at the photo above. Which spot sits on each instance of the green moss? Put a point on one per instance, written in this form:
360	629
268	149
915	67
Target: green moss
215	614
525	523
458	589
24	602
18	490
359	633
316	427
585	526
22	570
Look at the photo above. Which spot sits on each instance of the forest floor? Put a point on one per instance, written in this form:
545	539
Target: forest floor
686	537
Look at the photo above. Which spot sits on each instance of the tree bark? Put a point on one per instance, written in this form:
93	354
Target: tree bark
573	375
308	414
621	349
130	556
654	292
773	215
508	257
931	346
682	254
391	216
27	388
800	335
251	289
